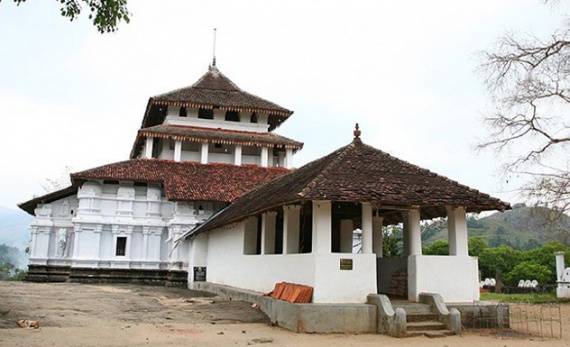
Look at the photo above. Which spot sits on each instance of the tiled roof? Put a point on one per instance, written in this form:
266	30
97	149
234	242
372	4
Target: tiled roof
215	90
30	205
182	181
359	173
198	134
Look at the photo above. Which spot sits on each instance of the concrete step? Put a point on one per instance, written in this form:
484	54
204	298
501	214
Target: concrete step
421	316
411	307
430	333
425	326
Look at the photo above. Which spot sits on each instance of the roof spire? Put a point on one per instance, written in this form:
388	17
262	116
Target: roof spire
356	132
214	50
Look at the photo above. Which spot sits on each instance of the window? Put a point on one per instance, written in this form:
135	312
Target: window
121	246
232	116
253	118
182	112
205	113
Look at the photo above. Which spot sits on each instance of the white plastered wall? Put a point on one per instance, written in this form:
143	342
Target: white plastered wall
227	265
455	278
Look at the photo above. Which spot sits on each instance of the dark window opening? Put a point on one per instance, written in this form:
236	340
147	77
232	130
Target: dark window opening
121	246
204	113
258	241
279	232
253	118
306	229
232	116
183	112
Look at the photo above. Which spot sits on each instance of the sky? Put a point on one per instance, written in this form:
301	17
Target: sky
406	71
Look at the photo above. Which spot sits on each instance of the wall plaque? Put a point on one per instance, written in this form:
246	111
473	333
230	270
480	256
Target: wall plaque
346	264
199	273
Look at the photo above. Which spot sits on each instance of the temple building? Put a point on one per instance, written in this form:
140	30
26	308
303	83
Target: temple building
299	229
199	148
208	198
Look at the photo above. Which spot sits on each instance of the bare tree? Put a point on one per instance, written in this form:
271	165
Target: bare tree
54	184
528	79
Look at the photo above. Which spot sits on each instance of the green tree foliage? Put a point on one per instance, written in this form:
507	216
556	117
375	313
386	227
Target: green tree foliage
503	259
392	242
439	247
105	14
8	256
477	246
528	271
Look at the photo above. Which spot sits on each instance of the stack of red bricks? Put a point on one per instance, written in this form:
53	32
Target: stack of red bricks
399	283
291	292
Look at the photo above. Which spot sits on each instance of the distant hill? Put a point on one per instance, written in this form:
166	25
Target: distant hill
14	228
15	235
522	228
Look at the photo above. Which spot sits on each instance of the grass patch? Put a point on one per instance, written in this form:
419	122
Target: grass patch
526	298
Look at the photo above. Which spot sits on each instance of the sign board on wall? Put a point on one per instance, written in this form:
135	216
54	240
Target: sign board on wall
199	273
346	264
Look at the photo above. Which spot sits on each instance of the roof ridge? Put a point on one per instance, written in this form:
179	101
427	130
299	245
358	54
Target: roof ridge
309	187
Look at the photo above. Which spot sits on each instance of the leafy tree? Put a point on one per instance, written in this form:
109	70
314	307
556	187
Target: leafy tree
477	246
106	14
393	241
503	259
529	83
438	247
528	271
544	256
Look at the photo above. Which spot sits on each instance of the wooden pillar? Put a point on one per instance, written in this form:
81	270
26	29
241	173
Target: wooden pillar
346	235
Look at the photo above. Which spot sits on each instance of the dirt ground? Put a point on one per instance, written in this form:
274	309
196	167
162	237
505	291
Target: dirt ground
128	315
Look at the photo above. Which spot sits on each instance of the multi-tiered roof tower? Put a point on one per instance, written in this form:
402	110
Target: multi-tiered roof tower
199	148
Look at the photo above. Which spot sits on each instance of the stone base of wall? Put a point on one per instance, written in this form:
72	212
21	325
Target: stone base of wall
51	273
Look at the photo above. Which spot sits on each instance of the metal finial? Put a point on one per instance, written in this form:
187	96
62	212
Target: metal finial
214	50
357	132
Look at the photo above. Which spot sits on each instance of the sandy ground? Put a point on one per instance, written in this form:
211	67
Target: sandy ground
127	315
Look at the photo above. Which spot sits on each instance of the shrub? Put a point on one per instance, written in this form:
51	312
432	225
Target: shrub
527	270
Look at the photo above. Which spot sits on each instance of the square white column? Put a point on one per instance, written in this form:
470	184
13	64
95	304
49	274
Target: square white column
264	156
457	228
346	232
237	155
322	227
412	233
268	232
378	237
366	228
288	158
204	153
177	150
291	225
148	147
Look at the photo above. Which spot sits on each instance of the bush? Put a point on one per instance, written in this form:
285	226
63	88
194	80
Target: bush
528	271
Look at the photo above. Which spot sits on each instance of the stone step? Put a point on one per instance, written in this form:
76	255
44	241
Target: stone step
421	316
425	326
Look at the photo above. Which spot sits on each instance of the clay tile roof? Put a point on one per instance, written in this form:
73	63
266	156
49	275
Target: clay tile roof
182	181
198	134
187	181
359	173
214	89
